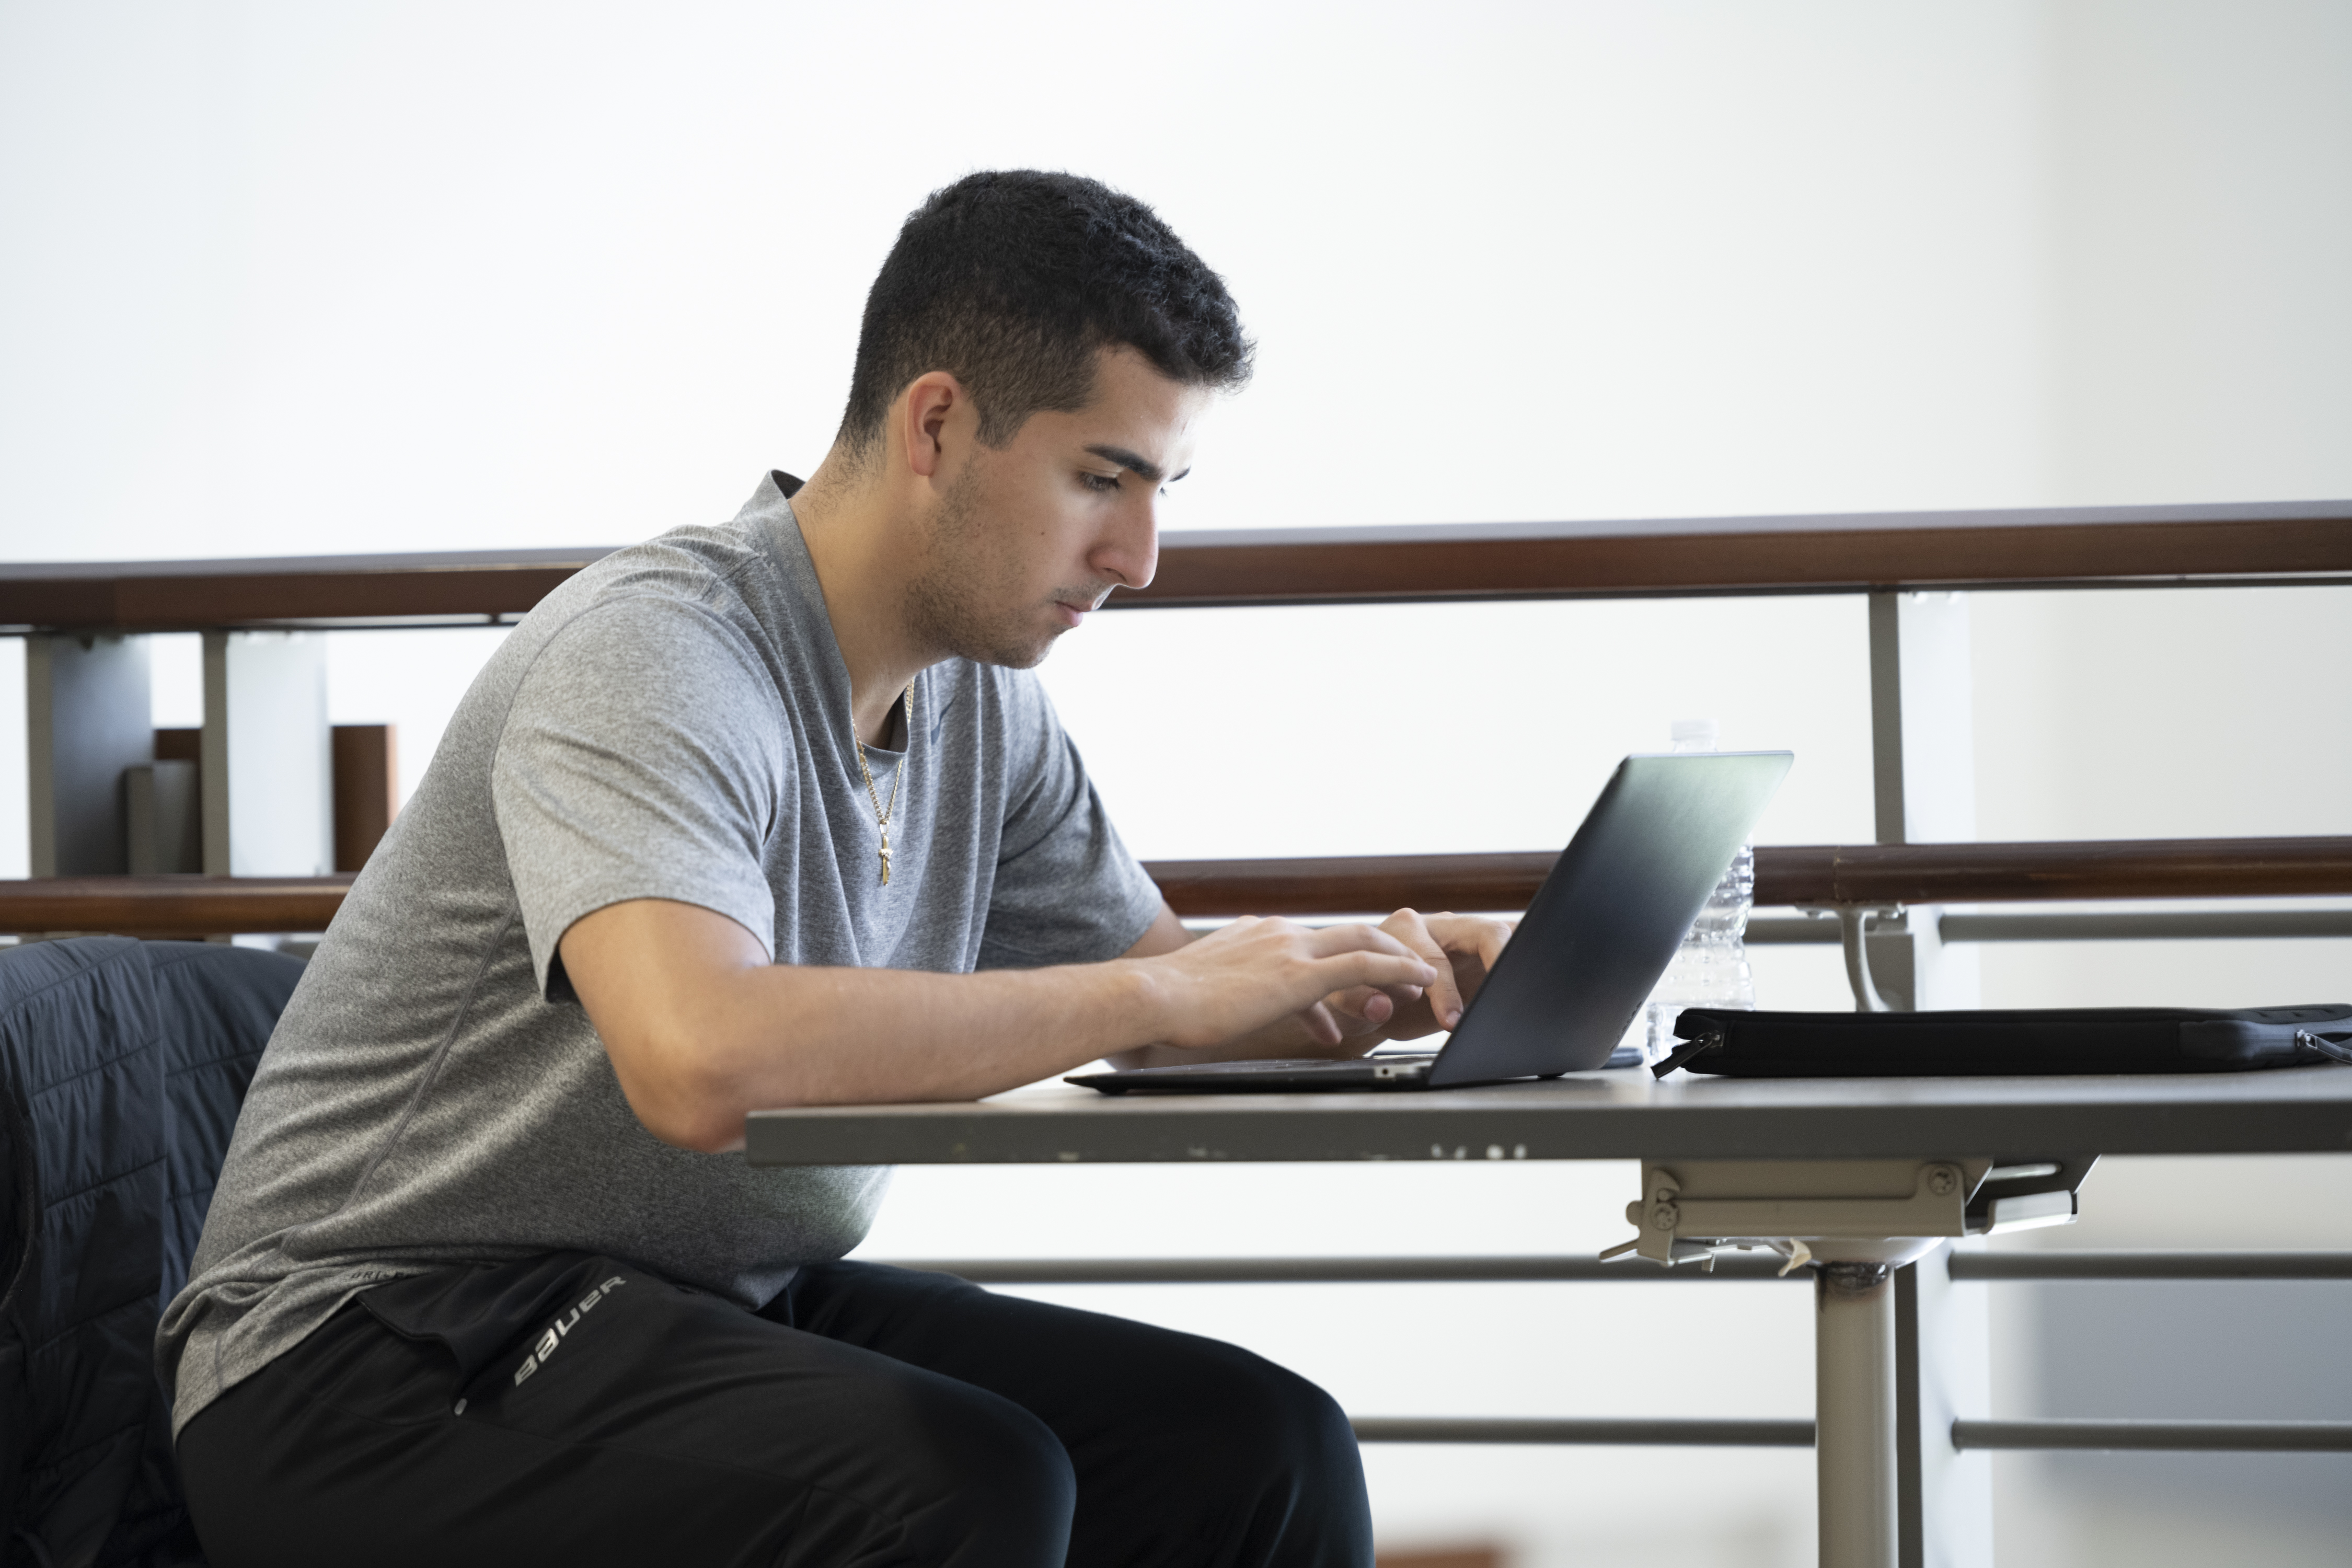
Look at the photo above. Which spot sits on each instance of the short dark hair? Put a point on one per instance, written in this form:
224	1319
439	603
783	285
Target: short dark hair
1011	279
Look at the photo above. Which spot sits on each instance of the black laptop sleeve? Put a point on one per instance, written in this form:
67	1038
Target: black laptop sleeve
2049	1040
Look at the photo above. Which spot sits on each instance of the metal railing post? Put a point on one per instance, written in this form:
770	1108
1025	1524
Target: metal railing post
1923	784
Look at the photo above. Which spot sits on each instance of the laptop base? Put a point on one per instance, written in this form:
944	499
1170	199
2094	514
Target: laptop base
1318	1075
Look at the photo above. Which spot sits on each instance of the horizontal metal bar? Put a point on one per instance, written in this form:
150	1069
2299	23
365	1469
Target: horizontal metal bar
1611	1433
2187	925
2179	1437
2069	1265
1792	931
1330	1270
2128	927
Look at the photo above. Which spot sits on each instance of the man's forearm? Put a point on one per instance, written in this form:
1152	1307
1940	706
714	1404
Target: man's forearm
702	1028
784	1036
834	1037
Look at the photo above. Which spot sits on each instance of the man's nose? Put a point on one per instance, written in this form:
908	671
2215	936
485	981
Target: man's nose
1130	552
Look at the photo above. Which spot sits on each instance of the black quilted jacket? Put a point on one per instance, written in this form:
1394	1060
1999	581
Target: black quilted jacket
123	1065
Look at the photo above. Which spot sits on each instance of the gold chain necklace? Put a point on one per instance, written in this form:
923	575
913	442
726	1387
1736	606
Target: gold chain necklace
882	813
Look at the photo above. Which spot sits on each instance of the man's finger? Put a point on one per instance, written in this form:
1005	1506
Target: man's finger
1365	1003
1486	937
1328	942
1388	971
1444	996
1321	1027
1465	935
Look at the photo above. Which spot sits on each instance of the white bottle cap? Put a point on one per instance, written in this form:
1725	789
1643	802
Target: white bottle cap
1695	734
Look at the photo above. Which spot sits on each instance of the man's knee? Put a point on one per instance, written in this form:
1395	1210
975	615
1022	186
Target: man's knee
1251	1465
1280	1438
1002	1491
1310	1506
1293	1428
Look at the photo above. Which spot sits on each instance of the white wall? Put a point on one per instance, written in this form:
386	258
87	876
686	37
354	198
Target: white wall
445	276
290	279
2200	222
2200	342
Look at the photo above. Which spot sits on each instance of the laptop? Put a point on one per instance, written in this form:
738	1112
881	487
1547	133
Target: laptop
1602	930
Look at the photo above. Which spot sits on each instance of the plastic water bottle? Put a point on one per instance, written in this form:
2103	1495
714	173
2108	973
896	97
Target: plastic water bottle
1711	969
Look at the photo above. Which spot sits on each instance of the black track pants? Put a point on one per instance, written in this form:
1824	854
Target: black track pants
868	1416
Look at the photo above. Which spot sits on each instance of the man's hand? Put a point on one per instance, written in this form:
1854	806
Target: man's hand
1346	1021
1219	987
1462	949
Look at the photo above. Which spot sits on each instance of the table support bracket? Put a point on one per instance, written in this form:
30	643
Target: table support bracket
1854	1222
1857	923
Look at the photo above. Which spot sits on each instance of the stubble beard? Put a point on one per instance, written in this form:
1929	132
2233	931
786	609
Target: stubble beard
947	599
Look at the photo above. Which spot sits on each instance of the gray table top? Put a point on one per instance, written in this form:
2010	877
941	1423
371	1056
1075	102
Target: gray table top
1596	1116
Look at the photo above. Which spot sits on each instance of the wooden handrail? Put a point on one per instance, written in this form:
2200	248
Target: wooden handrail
467	587
2030	873
171	906
2290	542
1842	554
1820	874
1353	884
1805	874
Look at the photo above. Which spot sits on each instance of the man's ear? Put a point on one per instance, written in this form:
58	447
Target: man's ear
925	406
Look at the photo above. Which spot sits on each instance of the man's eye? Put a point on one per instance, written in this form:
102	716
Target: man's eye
1101	482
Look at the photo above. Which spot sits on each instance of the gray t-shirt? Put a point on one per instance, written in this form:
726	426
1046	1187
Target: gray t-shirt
673	723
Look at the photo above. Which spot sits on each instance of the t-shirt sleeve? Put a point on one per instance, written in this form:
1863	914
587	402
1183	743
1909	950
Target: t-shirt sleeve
1066	890
641	759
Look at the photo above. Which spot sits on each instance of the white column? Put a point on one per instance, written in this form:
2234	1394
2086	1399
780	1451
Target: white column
1923	760
267	755
1943	1340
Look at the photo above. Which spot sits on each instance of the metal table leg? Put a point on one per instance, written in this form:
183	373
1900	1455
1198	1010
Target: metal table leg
1856	1221
1853	1414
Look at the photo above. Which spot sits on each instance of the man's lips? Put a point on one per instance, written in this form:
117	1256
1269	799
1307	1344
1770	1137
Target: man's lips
1075	611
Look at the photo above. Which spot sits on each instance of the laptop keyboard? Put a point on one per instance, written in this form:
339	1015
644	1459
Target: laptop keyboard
1312	1064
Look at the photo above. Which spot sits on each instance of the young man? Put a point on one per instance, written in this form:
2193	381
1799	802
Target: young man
770	815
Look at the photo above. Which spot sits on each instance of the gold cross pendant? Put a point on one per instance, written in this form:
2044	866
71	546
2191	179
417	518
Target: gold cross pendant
885	860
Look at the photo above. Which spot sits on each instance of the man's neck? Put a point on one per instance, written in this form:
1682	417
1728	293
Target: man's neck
859	544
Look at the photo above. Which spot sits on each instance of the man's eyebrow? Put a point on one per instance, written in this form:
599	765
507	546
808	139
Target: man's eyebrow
1142	467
